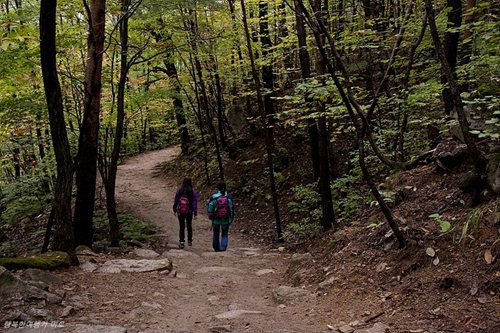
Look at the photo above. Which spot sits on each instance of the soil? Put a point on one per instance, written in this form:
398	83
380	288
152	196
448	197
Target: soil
207	284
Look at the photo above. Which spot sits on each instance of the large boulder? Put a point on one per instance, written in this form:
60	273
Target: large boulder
13	288
49	260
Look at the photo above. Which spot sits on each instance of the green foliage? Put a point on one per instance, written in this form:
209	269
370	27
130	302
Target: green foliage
472	224
136	229
444	225
131	228
301	232
23	199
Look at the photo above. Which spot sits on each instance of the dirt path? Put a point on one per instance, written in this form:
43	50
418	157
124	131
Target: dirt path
211	292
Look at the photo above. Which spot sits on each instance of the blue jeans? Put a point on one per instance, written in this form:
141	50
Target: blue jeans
224	239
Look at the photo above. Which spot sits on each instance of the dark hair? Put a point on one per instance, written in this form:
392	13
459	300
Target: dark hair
221	186
187	185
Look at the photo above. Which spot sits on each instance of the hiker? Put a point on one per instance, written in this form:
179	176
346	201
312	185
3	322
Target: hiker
185	206
221	213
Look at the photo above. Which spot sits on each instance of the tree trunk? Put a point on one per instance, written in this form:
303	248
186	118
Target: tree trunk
63	230
110	182
86	167
305	67
328	215
451	40
205	105
265	125
476	155
171	71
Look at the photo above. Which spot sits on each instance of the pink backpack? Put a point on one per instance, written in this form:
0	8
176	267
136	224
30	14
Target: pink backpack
183	206
222	208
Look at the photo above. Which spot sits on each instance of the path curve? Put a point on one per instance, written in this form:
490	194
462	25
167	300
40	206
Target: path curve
210	292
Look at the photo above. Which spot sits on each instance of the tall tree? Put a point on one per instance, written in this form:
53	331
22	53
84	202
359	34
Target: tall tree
86	161
63	229
328	215
264	119
305	67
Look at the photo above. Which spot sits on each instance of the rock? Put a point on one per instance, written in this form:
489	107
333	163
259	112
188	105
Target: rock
153	305
145	253
13	287
88	267
235	314
281	249
32	274
377	328
139	266
179	254
284	294
327	283
493	173
298	260
346	329
67	311
218	269
49	260
82	250
449	154
220	329
265	271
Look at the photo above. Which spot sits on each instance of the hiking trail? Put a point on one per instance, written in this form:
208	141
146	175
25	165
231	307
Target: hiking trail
228	291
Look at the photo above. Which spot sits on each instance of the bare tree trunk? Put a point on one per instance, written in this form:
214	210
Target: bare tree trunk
477	157
86	167
265	125
63	230
305	66
328	215
451	39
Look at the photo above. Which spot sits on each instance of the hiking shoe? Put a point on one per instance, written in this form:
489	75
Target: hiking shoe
181	245
190	243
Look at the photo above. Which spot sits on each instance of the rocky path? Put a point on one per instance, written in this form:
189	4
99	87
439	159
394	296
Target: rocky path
204	291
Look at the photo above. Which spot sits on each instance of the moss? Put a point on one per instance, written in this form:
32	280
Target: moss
49	260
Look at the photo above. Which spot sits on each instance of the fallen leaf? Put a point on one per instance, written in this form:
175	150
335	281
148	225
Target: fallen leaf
474	290
436	261
488	257
481	300
430	252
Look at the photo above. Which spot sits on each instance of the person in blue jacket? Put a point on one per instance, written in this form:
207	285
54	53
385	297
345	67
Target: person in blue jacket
221	213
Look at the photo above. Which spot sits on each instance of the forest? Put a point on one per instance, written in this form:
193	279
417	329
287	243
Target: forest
373	122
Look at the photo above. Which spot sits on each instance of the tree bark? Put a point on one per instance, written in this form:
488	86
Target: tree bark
476	155
305	67
86	162
63	230
451	40
264	120
328	215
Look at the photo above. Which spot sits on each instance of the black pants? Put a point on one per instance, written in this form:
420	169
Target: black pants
185	221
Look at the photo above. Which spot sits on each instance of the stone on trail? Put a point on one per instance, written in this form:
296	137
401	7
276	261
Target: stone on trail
11	287
33	274
176	253
265	271
88	267
137	266
218	269
284	294
220	329
235	314
377	328
145	253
